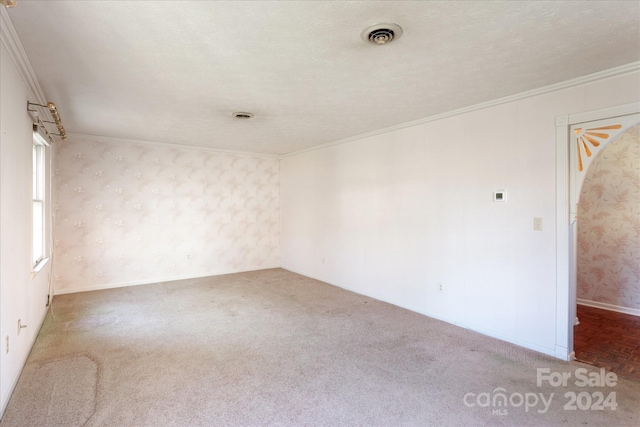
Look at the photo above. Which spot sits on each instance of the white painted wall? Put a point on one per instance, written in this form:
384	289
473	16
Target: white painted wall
395	214
21	296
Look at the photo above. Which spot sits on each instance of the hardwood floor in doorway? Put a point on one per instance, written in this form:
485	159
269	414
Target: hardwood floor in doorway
608	339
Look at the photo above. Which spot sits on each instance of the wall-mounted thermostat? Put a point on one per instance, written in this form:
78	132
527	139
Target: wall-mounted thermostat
499	196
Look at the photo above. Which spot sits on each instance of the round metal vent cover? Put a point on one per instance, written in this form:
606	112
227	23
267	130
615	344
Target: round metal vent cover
242	115
380	34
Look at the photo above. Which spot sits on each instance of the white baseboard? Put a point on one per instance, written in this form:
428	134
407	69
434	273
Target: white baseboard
563	353
559	353
610	307
150	281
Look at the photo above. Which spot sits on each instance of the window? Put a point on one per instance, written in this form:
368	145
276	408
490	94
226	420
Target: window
38	253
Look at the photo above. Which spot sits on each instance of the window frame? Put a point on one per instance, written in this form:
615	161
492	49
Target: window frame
39	200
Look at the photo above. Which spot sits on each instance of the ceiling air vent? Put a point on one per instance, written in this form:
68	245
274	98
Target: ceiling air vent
380	34
242	115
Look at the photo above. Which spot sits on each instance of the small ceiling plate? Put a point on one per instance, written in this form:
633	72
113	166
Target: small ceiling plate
380	34
241	115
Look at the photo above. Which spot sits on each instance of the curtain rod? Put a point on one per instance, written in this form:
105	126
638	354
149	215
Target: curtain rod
54	113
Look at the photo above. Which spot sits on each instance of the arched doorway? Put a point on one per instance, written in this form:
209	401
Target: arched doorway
579	138
608	254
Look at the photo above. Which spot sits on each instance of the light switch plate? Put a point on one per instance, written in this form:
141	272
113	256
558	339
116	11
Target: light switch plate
537	224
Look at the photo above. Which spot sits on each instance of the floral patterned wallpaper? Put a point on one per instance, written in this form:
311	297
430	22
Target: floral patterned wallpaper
609	225
133	213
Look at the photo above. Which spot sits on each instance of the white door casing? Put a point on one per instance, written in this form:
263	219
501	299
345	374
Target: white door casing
579	137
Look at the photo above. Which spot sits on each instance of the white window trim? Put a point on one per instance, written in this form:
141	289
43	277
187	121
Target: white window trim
39	196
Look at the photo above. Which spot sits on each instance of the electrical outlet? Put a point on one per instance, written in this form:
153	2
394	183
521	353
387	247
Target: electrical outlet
440	287
537	224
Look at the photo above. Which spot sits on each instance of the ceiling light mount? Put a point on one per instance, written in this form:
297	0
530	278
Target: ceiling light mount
380	34
241	115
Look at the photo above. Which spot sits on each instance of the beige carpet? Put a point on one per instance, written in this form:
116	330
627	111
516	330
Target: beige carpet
276	348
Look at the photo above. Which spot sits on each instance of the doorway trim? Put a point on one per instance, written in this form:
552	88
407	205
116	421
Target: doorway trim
565	224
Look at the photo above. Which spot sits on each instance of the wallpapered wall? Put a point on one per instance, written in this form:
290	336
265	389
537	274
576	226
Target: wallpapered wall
609	225
135	213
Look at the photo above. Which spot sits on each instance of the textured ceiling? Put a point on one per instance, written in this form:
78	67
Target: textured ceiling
174	71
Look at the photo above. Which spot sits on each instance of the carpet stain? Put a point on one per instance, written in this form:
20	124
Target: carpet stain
90	323
65	390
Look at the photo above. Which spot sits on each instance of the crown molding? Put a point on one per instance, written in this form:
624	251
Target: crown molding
12	42
108	139
589	78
